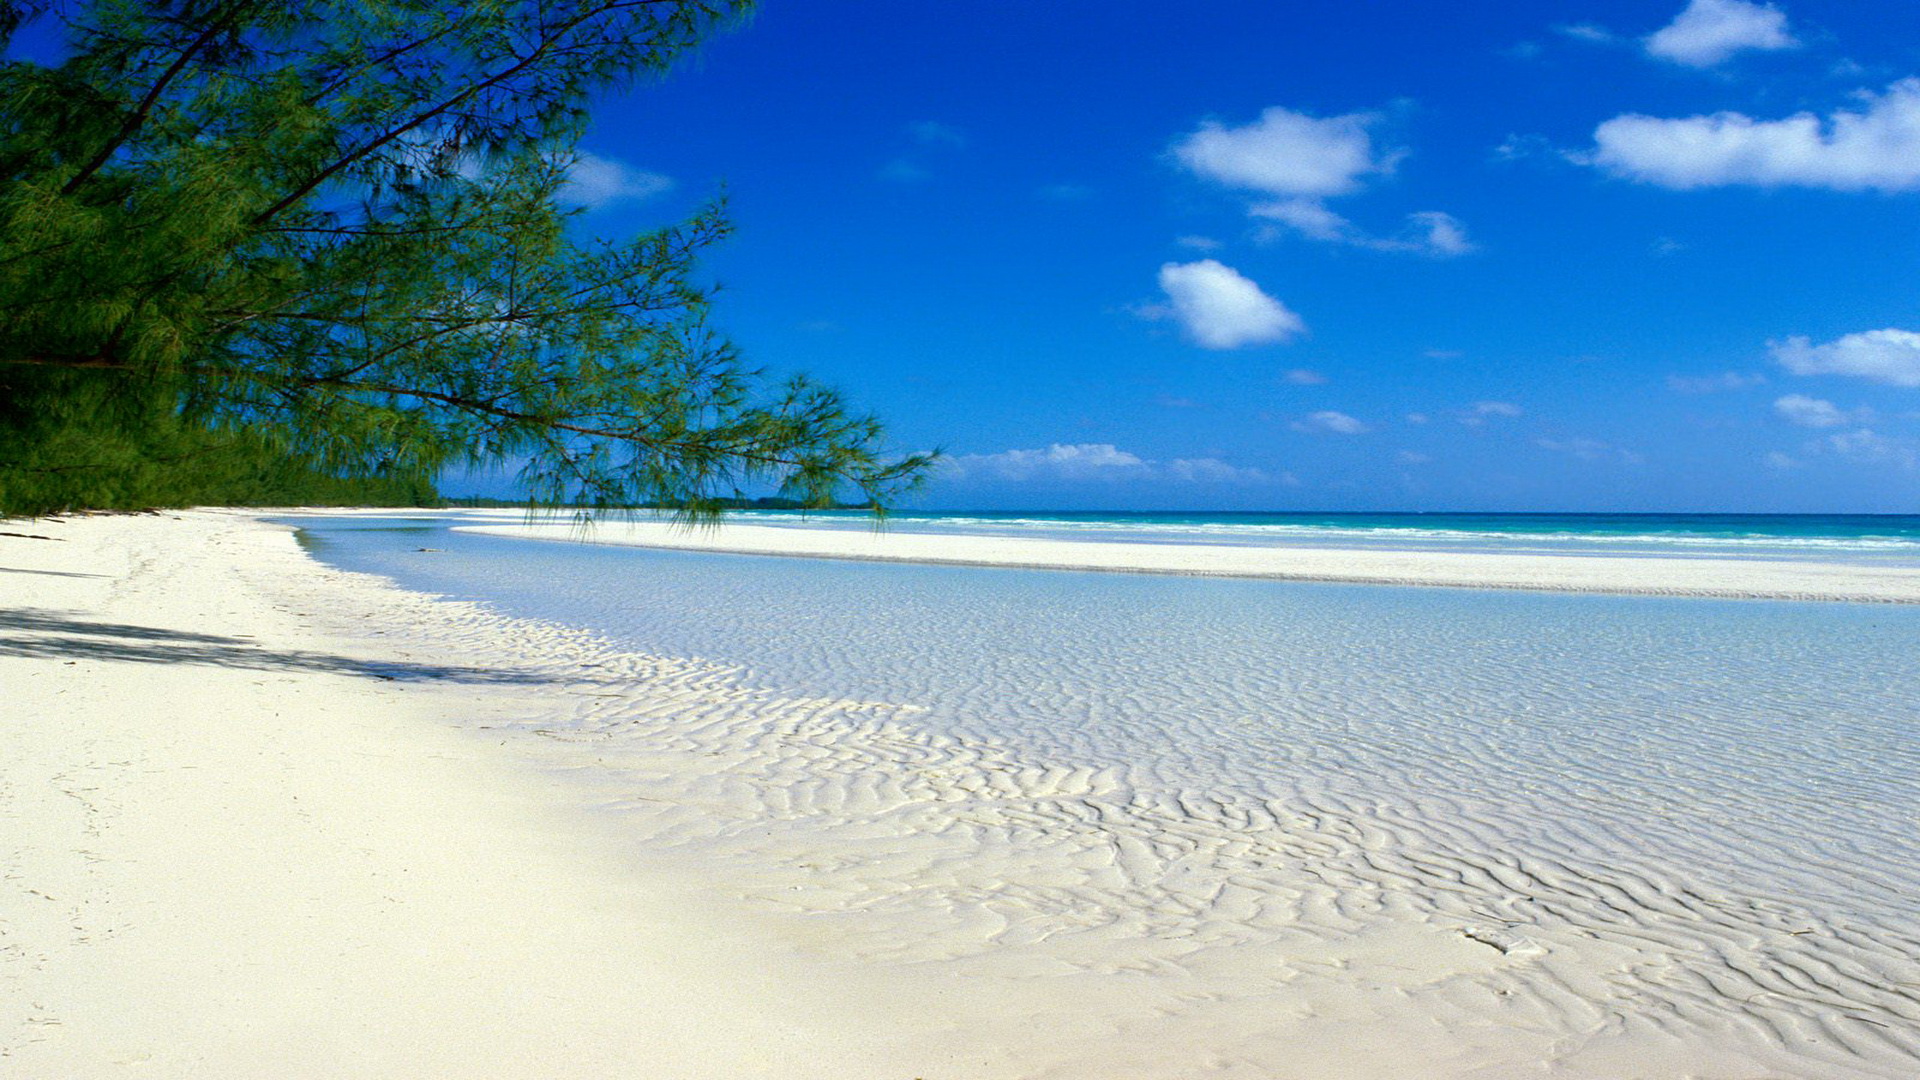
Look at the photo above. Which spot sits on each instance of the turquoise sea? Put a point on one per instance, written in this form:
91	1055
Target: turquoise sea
1733	786
1844	536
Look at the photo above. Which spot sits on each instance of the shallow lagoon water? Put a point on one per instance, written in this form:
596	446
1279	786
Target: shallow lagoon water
1762	755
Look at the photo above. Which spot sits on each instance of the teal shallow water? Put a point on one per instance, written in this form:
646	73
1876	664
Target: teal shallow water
1763	754
1853	537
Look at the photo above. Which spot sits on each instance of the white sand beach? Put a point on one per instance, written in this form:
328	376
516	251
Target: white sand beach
1795	579
266	818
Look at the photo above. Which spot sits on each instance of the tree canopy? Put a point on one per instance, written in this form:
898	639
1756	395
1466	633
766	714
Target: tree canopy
337	231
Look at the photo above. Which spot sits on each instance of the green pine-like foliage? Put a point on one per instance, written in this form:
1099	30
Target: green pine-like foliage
250	247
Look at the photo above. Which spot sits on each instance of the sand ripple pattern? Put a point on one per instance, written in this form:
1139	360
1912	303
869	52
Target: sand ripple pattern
1329	906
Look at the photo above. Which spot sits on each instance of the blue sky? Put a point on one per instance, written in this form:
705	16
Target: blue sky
1392	255
1237	254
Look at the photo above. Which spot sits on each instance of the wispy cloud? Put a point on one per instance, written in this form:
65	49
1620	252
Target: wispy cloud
1884	356
1876	147
1304	377
1297	161
1811	412
1869	447
1711	384
594	182
1330	423
1097	462
1708	32
1481	411
1220	309
1591	33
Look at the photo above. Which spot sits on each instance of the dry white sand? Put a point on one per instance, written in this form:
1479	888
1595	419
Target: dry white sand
1795	579
236	846
263	818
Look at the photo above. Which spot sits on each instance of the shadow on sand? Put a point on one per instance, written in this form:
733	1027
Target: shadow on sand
53	635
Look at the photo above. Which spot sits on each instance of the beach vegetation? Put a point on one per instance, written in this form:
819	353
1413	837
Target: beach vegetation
337	237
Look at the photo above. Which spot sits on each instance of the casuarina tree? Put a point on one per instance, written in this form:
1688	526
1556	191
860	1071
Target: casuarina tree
339	231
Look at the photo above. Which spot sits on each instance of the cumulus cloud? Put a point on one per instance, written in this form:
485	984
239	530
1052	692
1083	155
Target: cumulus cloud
1329	422
1884	356
1810	412
1874	147
1096	462
1297	161
1287	153
1707	32
594	181
1219	309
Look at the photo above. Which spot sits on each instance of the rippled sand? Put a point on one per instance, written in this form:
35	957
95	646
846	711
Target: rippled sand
1007	914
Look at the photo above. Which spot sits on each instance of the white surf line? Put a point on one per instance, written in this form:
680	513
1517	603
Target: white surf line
1725	578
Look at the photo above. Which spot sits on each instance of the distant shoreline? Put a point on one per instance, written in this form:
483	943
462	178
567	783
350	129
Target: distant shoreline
1650	575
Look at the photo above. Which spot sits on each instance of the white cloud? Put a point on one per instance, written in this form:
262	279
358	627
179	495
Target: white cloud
1417	418
1810	412
1710	31
1199	243
594	181
1060	461
1096	462
1412	457
1286	153
1210	471
1328	421
1876	147
1708	384
1588	32
1309	217
1305	377
1428	232
1777	460
1885	356
1299	161
1481	410
1436	233
1219	309
1870	446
